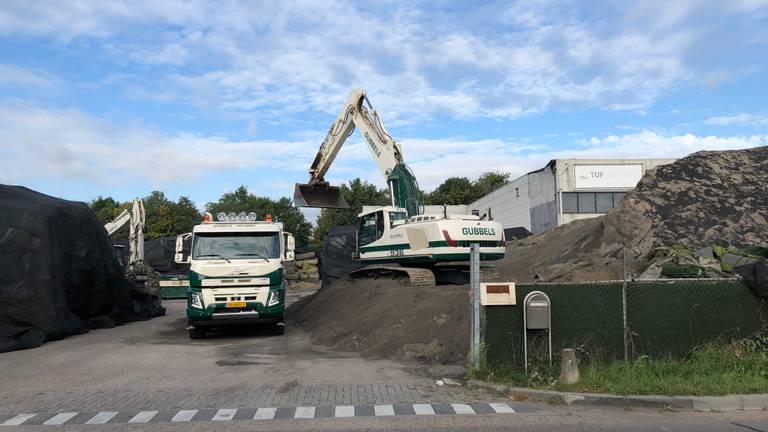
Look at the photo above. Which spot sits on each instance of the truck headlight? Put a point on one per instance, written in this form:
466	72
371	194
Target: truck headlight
274	298
196	300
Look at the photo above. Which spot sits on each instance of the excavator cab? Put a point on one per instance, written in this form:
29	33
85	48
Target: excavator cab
321	195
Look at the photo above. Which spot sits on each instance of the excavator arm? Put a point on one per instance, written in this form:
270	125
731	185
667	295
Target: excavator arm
358	113
136	219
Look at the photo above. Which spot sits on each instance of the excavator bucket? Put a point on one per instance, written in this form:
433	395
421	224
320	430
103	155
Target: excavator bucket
323	196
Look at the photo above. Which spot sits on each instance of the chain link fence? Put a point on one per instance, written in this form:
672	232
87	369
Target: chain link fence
625	319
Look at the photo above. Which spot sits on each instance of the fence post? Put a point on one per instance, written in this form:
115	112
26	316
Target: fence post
625	318
474	273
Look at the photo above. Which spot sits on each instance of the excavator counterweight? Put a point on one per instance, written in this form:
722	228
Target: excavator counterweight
319	195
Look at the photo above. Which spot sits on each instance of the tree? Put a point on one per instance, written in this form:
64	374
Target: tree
460	190
454	190
489	182
281	210
357	193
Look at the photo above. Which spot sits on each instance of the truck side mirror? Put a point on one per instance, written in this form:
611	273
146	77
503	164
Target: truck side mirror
290	246
179	256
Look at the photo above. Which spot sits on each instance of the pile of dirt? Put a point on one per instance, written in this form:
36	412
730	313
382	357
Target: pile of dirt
707	198
386	318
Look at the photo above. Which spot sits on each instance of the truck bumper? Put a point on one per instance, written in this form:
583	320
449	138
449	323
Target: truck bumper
211	318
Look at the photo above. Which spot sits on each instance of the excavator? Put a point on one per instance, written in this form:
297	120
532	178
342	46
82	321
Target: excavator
399	238
135	218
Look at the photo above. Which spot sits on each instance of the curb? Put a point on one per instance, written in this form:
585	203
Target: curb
697	403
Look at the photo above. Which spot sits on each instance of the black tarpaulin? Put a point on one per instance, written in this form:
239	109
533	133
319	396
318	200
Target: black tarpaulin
58	275
338	246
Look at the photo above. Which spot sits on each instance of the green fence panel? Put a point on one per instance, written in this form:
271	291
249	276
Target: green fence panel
587	317
671	317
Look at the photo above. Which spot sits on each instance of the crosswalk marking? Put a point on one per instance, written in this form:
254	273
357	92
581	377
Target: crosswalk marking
383	410
229	414
17	419
423	409
60	419
102	417
143	417
345	411
265	414
462	409
305	413
184	416
502	408
224	414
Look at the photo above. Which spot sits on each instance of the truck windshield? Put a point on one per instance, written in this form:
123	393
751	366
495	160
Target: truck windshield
236	245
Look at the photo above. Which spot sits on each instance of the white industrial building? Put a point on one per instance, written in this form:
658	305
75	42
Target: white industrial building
563	191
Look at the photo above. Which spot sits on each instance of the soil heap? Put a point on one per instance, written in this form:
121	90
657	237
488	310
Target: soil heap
706	198
386	318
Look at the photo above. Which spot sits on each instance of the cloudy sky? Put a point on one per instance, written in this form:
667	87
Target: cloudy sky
198	97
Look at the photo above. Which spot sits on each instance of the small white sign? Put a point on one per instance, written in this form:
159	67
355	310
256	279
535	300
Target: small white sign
497	293
607	176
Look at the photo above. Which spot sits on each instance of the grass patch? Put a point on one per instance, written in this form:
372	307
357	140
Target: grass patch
712	369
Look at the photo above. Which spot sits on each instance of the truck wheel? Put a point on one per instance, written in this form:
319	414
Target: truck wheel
278	329
196	333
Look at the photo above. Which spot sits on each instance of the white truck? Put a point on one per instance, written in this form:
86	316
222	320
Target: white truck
236	272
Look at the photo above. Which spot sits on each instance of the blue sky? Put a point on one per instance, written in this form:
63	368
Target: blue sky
198	97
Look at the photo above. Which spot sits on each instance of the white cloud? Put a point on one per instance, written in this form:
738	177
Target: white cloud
71	146
277	58
741	119
13	75
68	147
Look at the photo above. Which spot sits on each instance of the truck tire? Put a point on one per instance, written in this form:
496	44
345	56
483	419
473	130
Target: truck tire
278	330
196	333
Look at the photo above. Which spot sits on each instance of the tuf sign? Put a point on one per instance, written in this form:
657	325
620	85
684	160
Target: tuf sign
607	176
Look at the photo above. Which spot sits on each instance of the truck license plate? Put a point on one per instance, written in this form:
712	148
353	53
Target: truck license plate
235	305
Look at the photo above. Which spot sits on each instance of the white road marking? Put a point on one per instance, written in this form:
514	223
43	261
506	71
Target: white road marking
345	411
501	408
184	416
17	419
60	419
265	414
462	409
102	417
423	409
383	410
224	414
143	417
305	413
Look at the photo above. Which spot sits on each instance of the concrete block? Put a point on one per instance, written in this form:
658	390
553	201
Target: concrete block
717	403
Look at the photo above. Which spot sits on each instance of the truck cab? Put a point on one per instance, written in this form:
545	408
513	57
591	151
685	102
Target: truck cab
236	272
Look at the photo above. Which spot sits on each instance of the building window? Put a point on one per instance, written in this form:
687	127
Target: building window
590	202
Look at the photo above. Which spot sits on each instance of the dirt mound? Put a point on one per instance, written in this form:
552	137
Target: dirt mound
388	319
703	199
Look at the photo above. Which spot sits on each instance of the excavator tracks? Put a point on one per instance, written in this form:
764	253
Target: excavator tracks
425	277
417	277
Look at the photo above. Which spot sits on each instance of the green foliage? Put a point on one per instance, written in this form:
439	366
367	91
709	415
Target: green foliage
165	218
357	193
710	369
107	209
282	210
461	190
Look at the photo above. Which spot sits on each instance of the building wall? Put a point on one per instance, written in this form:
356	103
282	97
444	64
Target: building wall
543	199
509	204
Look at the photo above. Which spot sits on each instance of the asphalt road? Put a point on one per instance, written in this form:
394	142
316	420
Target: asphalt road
150	376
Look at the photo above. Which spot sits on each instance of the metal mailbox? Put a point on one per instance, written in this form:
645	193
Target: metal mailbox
537	313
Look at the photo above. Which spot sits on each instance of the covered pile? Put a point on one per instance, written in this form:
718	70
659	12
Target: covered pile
707	198
57	273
